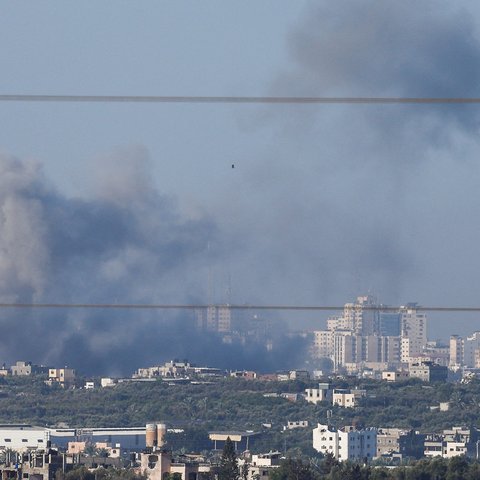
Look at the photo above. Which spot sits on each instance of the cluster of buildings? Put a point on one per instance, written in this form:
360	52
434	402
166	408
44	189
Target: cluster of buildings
350	443
176	369
61	376
336	396
452	442
369	335
369	339
235	325
464	353
39	453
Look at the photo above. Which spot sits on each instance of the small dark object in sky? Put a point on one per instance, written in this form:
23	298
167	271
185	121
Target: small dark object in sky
233	165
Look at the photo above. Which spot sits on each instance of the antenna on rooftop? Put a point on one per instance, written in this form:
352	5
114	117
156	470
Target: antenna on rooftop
229	289
210	277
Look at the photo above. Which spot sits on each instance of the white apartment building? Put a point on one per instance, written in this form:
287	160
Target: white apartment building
360	316
414	332
357	444
465	351
336	322
322	343
345	347
470	345
456	351
325	440
347	443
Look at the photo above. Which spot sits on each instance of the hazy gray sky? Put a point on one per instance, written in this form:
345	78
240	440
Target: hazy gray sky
108	202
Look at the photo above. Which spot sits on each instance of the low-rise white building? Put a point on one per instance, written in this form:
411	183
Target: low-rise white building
320	394
291	425
451	442
22	368
23	438
261	465
347	398
107	382
395	375
454	449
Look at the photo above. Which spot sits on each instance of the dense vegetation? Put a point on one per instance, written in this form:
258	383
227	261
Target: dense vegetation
458	468
230	404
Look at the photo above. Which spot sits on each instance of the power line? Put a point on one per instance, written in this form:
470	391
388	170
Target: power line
163	306
236	99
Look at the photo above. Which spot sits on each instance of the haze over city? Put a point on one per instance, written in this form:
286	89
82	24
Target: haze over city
130	203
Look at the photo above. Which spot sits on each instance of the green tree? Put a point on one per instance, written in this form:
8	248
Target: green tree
328	463
80	473
228	463
457	468
293	469
173	476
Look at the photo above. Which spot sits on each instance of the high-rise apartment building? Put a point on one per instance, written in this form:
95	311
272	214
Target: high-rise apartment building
456	351
215	318
414	331
389	324
346	346
322	343
381	349
470	345
362	316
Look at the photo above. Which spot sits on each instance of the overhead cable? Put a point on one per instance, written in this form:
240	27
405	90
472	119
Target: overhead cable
279	100
180	306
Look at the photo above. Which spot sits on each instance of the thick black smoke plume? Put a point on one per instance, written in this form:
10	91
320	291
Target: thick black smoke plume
126	244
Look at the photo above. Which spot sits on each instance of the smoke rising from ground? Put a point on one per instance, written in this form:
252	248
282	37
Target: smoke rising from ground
125	244
335	201
361	198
